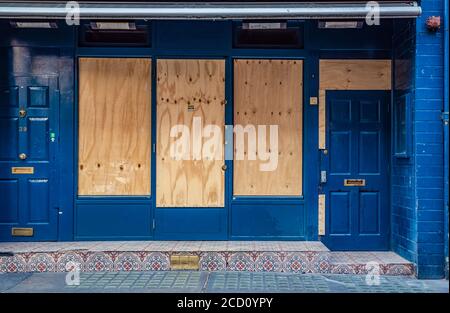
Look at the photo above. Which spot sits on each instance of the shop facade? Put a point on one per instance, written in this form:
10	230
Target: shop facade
107	129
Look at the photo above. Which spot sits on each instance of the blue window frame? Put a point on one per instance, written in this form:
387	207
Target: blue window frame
402	126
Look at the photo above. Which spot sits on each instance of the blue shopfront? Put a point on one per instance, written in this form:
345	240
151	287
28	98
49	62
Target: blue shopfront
87	114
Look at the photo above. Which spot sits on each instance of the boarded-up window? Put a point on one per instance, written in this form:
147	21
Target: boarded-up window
114	127
191	100
269	92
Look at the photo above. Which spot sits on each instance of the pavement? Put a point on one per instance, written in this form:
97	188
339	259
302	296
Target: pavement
213	282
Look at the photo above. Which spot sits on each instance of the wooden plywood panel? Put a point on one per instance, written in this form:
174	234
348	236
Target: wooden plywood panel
321	214
188	91
114	126
350	75
270	92
355	74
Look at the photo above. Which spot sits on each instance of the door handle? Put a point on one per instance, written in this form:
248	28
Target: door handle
22	113
22	156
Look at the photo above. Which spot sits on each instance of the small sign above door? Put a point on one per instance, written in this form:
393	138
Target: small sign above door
354	182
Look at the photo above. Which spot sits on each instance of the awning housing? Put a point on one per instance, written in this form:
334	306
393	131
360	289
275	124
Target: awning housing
209	11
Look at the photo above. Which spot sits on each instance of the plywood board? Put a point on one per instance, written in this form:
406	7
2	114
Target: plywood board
269	92
350	75
188	91
114	126
321	215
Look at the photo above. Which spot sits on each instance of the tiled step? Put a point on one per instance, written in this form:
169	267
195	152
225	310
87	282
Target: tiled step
277	256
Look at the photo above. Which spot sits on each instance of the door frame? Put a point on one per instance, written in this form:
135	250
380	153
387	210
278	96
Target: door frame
324	165
301	202
53	154
105	201
214	215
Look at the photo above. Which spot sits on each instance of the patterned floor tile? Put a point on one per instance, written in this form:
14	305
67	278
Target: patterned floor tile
41	262
240	261
212	261
268	262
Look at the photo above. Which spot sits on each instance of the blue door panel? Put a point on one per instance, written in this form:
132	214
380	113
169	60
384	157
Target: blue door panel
9	195
191	223
267	221
357	217
340	157
38	200
111	221
369	111
37	96
38	134
340	111
339	217
9	134
369	212
9	96
369	152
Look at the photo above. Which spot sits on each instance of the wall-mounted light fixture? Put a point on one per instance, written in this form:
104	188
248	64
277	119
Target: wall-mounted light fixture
340	24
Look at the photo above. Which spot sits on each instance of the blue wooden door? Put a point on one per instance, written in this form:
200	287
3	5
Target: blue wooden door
356	163
28	145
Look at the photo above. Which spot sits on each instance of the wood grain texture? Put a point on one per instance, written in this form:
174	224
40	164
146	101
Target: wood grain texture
188	89
270	92
321	214
114	127
350	75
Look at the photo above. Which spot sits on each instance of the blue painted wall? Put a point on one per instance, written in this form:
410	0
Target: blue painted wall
418	180
429	144
403	214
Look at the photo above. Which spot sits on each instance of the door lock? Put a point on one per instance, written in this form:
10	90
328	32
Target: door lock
22	112
22	156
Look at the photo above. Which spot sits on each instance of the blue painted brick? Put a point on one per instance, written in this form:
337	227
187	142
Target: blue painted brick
430	71
428	170
429	82
429	226
430	216
436	237
430	248
427	92
430	271
432	182
430	259
428	104
431	115
431	5
430	159
429	148
429	193
430	204
427	61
